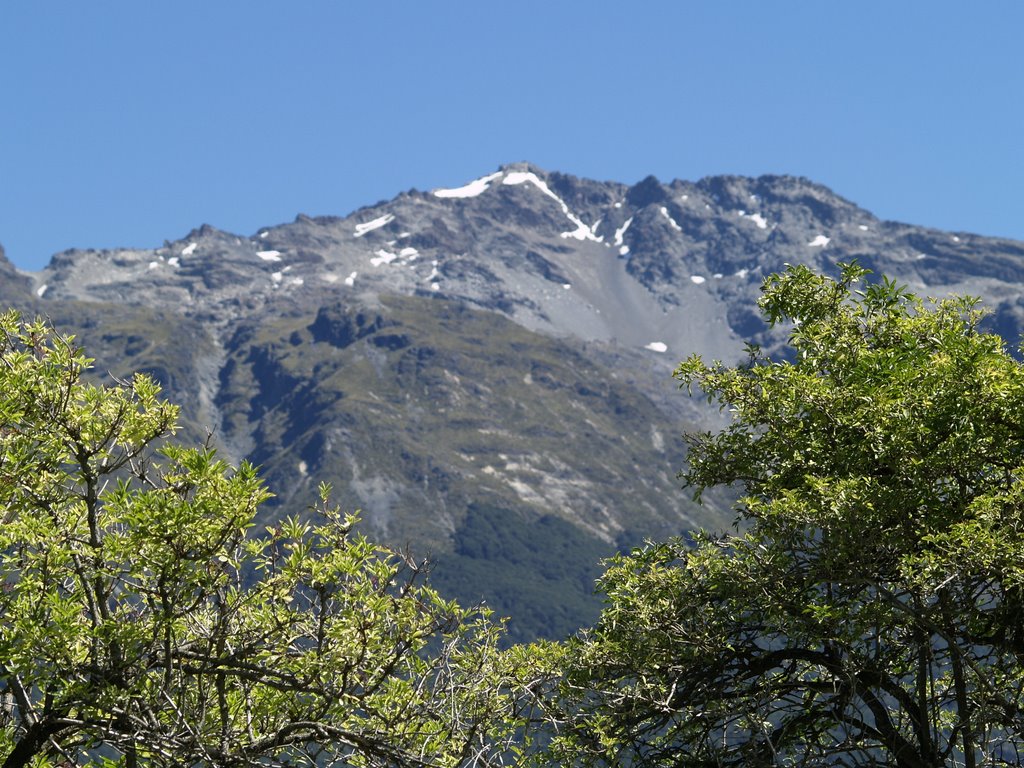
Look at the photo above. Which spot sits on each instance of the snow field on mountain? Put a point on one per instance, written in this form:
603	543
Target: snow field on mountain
369	226
383	257
757	218
582	231
673	222
474	188
619	233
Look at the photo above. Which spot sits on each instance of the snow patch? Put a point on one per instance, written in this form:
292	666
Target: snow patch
956	239
383	257
369	226
303	468
41	290
408	253
757	218
618	205
351	279
820	241
675	225
264	233
567	286
474	188
657	441
154	264
522	177
624	250
174	261
863	227
269	255
435	286
622	231
582	231
277	277
697	279
657	346
189	249
743	273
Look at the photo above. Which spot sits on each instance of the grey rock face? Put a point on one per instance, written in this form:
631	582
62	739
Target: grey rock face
674	263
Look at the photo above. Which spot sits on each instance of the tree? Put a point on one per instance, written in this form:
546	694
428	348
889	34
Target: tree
144	622
867	610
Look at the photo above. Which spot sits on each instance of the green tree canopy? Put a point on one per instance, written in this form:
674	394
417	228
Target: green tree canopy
143	622
868	609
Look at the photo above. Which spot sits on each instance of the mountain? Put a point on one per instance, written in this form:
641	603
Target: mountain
486	371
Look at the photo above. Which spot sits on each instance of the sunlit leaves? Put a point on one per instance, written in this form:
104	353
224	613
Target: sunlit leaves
142	615
871	610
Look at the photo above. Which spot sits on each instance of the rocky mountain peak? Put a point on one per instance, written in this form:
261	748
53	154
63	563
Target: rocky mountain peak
13	283
489	360
647	192
551	251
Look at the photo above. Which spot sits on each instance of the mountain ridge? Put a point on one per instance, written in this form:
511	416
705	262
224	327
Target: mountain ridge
486	357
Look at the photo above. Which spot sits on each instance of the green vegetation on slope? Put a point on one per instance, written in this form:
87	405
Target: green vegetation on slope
419	409
517	565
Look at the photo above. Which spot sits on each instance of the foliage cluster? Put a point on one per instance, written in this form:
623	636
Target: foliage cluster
868	612
143	621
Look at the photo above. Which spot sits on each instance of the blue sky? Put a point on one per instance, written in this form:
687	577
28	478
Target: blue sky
123	123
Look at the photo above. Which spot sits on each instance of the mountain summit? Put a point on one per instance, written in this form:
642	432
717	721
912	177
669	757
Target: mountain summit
485	370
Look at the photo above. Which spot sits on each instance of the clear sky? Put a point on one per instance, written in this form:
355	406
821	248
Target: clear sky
125	122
